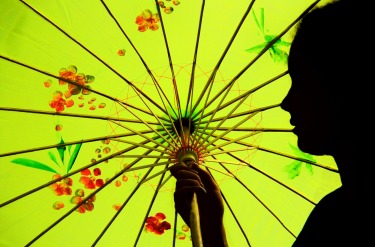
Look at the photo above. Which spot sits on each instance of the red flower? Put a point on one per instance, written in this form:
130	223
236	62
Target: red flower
62	187
147	20
156	224
91	182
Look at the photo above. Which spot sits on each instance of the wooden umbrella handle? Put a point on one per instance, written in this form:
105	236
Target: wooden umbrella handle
195	223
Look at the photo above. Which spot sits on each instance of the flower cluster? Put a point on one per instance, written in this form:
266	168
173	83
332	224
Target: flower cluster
91	182
147	20
77	84
63	187
78	198
156	224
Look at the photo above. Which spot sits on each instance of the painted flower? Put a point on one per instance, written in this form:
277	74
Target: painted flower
90	180
157	224
147	20
63	187
78	198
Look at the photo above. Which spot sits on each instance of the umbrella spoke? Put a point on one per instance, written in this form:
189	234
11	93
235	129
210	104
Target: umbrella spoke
177	96
136	89
213	75
122	207
140	57
246	144
54	113
144	136
259	200
157	86
228	131
268	176
109	181
228	86
244	95
150	206
76	171
151	167
232	213
153	129
71	143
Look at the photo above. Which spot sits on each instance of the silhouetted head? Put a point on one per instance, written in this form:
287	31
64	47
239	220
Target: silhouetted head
328	99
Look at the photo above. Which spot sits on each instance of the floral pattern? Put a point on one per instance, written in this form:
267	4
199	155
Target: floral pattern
157	224
147	21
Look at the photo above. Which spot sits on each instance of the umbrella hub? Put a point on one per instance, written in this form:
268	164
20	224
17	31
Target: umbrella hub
185	125
187	154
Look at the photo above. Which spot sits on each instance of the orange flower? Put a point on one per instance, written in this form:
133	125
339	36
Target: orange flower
147	20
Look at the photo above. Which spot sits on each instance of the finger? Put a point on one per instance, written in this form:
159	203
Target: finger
205	177
188	183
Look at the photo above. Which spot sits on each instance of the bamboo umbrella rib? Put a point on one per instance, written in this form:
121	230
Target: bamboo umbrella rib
270	44
142	135
70	173
135	144
252	129
158	173
156	117
149	208
151	167
142	156
211	79
94	55
191	86
216	170
64	114
259	200
272	178
109	181
177	96
244	113
229	151
139	55
70	143
158	88
223	120
244	95
76	84
212	76
232	213
101	234
279	153
228	131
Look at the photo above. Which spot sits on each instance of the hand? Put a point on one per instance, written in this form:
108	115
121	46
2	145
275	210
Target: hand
211	208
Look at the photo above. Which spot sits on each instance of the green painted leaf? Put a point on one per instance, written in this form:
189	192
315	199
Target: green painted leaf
257	48
294	169
309	168
73	156
53	158
61	150
301	154
32	164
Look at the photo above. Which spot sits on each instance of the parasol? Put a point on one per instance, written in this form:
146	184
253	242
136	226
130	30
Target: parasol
100	98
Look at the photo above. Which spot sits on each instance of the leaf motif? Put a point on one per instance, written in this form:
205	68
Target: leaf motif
61	150
32	164
309	168
294	169
73	156
53	158
257	48
301	154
